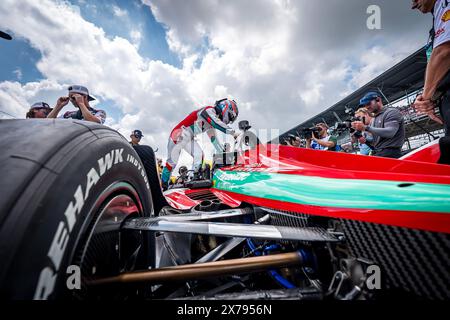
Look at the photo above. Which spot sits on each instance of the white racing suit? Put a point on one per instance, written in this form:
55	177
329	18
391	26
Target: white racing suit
182	138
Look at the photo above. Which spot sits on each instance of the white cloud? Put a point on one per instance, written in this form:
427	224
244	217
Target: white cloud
136	37
15	99
18	73
288	56
118	12
374	61
282	60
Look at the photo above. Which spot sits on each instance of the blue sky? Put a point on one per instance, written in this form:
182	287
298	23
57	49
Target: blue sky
18	55
153	46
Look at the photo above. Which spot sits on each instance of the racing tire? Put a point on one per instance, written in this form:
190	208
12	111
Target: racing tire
444	145
67	187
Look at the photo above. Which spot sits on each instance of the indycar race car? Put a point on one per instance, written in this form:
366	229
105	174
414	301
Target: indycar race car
83	216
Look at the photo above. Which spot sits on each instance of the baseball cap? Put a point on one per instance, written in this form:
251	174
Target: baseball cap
40	105
372	95
137	133
80	90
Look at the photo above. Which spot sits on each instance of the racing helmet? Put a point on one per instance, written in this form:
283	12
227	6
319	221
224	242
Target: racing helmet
227	110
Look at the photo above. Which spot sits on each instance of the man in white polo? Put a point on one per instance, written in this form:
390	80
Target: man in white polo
436	90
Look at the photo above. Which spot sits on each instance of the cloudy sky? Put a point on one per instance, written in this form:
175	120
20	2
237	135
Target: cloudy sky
151	62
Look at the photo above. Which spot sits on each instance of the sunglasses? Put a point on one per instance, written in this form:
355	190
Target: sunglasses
72	98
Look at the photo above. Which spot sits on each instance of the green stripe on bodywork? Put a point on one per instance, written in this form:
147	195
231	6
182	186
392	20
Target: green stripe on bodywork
340	193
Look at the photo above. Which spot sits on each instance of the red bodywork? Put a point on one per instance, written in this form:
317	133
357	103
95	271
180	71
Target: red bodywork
419	166
185	199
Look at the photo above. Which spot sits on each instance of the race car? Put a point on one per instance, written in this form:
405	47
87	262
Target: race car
83	216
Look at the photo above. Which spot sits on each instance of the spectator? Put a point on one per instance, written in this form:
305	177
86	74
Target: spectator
293	141
247	139
364	138
136	137
79	96
436	90
38	110
387	128
160	166
347	148
183	175
324	141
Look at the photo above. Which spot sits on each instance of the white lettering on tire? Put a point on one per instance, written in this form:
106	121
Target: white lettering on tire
47	277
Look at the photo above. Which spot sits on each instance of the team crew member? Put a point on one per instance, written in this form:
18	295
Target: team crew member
387	128
79	96
207	119
436	91
136	137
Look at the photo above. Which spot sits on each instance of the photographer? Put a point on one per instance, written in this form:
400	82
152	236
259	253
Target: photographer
79	97
363	138
247	139
293	141
387	128
321	140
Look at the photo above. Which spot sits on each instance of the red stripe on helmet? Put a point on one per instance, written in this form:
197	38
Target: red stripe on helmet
233	104
225	109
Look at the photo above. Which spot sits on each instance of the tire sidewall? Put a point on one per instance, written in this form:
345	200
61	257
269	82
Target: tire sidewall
39	268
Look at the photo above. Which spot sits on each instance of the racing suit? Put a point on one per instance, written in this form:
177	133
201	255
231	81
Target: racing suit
182	138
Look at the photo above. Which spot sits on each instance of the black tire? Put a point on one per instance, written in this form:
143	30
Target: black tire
63	201
149	160
444	145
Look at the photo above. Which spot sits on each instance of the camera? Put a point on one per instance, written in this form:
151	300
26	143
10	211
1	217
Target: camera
244	125
347	125
343	125
356	134
308	132
289	140
74	101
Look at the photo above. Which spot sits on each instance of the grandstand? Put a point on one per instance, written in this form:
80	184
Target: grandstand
399	86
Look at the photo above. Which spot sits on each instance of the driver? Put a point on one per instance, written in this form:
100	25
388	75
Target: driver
207	119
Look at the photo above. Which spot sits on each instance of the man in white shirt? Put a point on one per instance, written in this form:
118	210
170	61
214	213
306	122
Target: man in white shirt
436	91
